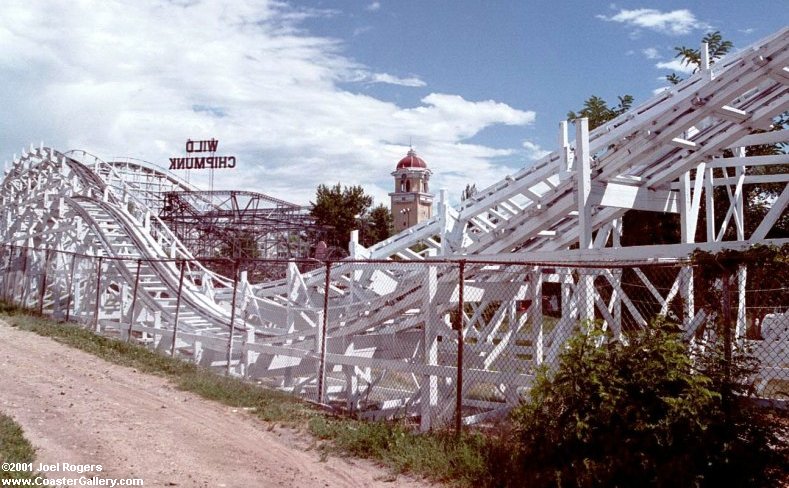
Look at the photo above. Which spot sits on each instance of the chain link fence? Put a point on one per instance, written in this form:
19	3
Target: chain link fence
442	343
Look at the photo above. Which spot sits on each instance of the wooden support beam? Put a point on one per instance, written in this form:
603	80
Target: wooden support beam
695	205
743	160
752	179
429	386
709	204
639	198
662	253
684	208
583	178
683	143
781	75
777	209
732	114
769	137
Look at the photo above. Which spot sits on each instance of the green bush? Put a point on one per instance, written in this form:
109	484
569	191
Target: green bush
637	414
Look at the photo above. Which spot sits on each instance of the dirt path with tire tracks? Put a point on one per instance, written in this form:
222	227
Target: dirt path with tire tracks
76	408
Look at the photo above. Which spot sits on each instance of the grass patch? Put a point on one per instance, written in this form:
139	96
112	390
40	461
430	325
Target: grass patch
439	456
14	448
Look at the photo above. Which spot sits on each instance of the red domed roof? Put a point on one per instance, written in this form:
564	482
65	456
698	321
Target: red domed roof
412	161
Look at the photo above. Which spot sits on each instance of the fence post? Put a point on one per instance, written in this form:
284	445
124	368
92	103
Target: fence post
459	325
134	300
70	286
177	306
5	273
538	332
322	336
9	295
9	275
23	286
98	295
232	317
726	326
742	317
43	282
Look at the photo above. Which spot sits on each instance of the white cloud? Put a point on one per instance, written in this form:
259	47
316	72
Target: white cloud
676	22
412	81
534	151
651	53
138	79
676	65
362	75
373	6
361	30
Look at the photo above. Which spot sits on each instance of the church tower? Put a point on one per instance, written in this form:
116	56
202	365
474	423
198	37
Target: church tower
412	201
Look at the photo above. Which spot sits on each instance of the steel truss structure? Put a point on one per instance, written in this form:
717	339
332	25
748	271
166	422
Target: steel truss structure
376	334
240	224
237	224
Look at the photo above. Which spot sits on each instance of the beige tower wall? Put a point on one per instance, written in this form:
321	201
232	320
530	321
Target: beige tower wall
409	209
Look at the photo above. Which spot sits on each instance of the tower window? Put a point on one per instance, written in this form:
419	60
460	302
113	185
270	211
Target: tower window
408	185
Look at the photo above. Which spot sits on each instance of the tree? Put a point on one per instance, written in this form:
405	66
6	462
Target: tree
379	225
717	47
598	112
340	209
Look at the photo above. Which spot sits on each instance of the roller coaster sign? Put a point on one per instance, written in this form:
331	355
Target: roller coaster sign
202	162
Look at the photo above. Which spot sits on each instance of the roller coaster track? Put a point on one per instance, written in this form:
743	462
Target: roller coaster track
387	308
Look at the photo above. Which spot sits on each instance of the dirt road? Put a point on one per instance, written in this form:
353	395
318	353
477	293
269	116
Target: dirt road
76	408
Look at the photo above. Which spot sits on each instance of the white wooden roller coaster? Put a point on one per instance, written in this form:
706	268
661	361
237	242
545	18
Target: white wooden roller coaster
83	241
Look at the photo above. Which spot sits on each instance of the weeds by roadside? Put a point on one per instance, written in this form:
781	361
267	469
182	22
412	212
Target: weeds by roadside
14	449
440	455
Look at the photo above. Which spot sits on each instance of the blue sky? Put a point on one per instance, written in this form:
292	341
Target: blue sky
308	92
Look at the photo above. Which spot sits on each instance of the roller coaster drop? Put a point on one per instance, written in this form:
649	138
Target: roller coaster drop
84	241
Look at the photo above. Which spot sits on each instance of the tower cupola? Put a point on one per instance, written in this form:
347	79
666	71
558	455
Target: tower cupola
412	201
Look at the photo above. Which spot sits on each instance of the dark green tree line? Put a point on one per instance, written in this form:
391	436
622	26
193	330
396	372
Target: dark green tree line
343	209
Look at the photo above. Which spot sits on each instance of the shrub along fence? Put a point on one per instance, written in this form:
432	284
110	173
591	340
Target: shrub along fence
442	342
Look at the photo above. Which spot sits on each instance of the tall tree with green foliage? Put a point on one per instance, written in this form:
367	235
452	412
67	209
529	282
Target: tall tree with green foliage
340	208
717	47
379	225
598	112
